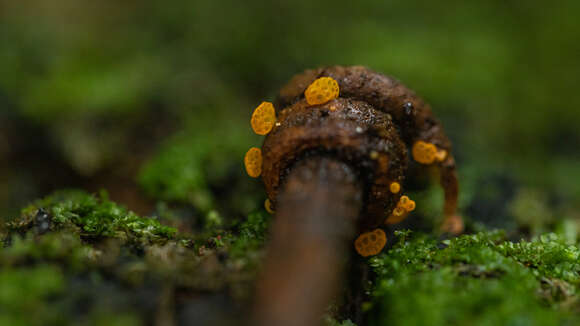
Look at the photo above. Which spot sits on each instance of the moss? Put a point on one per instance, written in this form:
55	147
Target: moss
27	289
477	280
52	275
93	217
251	235
95	249
200	166
328	321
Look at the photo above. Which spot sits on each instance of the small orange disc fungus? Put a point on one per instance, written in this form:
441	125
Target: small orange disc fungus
410	206
395	187
441	155
253	162
321	91
263	118
370	243
268	206
424	153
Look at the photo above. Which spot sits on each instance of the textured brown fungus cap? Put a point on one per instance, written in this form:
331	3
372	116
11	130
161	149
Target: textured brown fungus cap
410	113
384	93
350	130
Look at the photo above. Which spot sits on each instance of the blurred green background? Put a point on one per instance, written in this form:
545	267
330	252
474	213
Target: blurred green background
151	99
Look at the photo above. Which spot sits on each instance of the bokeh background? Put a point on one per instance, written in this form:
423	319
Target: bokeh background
151	100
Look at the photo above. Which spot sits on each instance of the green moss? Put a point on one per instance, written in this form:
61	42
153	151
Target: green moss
93	217
198	159
96	249
251	235
23	290
45	279
328	321
476	280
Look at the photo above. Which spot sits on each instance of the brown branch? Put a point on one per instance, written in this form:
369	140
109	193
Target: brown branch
318	207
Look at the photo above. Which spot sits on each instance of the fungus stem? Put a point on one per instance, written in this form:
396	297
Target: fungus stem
315	223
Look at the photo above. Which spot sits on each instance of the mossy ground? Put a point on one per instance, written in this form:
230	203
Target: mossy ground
99	263
479	279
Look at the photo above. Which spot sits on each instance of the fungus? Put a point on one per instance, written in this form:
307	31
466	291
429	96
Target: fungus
263	118
253	162
404	207
268	206
370	243
441	155
423	152
311	170
410	206
395	187
321	91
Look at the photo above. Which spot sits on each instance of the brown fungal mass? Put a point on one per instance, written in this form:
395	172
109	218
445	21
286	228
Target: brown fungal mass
413	117
333	167
350	131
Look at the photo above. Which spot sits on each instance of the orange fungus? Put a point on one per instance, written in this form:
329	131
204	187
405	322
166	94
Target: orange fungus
395	187
424	153
410	206
321	91
401	211
263	118
253	162
441	155
268	206
370	243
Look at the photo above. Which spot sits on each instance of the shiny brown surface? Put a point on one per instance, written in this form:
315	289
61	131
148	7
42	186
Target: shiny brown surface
410	113
315	222
349	130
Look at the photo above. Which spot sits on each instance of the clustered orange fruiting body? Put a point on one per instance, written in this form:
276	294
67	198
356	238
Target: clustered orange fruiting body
263	118
253	162
321	91
370	243
427	153
404	207
423	152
